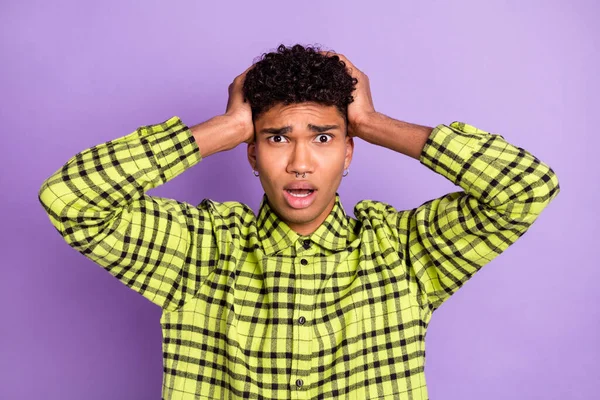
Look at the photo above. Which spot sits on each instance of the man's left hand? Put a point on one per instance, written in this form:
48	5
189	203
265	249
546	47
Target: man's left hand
362	107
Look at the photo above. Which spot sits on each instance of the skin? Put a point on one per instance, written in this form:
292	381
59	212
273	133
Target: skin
302	151
323	156
277	158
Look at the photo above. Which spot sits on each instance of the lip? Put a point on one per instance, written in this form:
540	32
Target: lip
299	202
299	185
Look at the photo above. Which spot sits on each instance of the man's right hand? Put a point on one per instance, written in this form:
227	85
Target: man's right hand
225	132
238	109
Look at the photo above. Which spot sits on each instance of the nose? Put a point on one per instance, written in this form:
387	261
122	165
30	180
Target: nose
300	159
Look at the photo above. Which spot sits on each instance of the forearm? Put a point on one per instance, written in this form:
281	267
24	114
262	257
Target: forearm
98	181
403	137
505	179
217	134
154	245
514	179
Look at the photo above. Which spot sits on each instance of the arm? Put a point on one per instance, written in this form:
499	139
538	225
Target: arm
403	137
161	248
446	240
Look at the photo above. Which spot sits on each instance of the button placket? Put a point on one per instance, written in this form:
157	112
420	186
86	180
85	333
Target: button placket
302	330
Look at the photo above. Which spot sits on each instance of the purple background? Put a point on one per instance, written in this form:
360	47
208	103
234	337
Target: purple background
75	74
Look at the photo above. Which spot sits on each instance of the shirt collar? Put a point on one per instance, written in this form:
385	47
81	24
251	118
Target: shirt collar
275	235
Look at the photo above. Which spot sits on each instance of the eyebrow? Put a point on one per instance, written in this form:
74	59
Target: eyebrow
287	129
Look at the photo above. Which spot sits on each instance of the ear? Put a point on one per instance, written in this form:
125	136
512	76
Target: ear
252	154
349	151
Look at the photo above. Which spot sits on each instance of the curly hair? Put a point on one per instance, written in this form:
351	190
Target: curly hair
298	74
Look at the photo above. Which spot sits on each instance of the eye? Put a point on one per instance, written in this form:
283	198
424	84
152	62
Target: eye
276	139
323	138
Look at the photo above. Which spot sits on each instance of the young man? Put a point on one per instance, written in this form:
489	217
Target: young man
300	301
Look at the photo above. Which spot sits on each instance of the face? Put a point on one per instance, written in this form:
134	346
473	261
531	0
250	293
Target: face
305	138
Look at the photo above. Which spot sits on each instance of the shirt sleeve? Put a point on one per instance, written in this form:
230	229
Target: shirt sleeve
446	240
161	248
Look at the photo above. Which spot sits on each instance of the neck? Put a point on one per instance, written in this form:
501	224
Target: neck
307	228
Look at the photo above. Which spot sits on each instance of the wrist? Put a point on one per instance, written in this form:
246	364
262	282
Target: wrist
220	133
400	136
366	126
242	125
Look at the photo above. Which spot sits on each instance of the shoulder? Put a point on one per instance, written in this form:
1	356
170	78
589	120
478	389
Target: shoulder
228	210
231	221
379	224
367	210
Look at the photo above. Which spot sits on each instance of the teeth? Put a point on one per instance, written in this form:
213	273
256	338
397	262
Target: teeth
300	195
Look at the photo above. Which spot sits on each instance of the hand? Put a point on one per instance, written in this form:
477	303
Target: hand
362	107
238	109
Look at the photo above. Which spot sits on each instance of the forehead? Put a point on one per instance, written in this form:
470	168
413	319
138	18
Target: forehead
300	113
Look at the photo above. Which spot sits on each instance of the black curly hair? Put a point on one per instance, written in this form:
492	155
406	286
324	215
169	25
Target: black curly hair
298	74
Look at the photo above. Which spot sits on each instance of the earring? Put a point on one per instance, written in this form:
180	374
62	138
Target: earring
255	172
346	173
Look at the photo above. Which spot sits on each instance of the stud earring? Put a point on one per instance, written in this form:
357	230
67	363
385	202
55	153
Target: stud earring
255	172
346	173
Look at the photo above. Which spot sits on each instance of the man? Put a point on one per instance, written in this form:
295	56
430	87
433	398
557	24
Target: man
300	301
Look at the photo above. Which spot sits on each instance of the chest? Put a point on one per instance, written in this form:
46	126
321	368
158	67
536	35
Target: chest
316	293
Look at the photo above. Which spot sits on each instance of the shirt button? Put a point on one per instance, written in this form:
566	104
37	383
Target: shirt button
299	382
304	261
306	244
301	320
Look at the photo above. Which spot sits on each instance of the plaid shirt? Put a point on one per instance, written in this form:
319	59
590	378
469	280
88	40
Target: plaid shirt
252	309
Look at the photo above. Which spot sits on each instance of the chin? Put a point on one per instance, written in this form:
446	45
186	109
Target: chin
298	215
301	216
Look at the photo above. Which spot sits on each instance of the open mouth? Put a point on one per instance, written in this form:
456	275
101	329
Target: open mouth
300	198
299	192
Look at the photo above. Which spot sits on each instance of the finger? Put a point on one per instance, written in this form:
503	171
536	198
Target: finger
235	88
333	53
243	74
342	58
348	62
327	53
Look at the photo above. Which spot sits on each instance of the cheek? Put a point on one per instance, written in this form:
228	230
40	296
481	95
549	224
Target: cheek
329	161
271	168
267	158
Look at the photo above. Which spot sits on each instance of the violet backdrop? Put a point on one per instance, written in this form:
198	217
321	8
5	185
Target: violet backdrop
78	73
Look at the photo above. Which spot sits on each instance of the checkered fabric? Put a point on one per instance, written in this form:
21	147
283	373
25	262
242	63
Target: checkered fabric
253	310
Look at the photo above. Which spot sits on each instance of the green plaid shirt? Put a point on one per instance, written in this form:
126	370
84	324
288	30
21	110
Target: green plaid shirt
252	309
